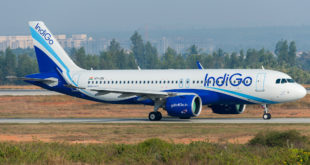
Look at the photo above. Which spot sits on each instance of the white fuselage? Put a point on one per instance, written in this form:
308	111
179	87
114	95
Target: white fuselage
251	85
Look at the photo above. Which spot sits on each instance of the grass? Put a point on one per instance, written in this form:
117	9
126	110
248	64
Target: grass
134	133
151	151
290	139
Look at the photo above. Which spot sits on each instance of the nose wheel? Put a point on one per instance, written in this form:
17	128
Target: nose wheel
266	115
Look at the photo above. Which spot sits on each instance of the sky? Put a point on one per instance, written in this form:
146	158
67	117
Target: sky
81	16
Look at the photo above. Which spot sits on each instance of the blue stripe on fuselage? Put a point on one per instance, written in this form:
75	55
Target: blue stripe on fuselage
246	96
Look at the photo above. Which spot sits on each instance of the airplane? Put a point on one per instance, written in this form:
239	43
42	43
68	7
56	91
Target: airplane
180	92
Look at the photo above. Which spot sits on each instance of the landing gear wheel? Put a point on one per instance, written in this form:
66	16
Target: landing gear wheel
267	116
152	116
159	116
155	116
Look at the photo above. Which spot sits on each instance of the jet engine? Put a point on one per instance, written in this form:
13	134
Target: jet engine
184	106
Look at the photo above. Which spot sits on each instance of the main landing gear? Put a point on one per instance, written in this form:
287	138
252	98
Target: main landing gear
156	116
266	115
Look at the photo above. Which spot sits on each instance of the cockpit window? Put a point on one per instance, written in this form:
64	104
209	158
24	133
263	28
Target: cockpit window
283	81
290	81
278	81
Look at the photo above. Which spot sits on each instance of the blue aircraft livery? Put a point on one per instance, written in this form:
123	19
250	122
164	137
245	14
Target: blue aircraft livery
44	34
181	93
235	79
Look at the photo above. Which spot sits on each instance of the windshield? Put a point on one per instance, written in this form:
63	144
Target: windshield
283	81
290	80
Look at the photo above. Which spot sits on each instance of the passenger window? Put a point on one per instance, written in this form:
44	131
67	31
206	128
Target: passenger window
108	82
164	82
88	82
103	82
201	81
115	82
96	82
112	82
148	82
278	81
168	82
100	82
172	82
131	82
159	82
155	82
283	81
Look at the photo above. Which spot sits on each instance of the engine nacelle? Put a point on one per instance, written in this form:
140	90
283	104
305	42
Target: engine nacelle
228	108
184	106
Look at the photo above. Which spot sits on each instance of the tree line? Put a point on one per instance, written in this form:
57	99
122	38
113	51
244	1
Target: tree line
19	62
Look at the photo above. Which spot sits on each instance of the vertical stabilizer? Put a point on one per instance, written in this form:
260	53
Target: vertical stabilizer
50	55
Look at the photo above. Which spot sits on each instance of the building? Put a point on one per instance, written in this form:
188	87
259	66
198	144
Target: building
74	41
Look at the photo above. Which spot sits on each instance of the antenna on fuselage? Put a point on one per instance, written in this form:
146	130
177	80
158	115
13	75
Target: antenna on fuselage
263	67
137	64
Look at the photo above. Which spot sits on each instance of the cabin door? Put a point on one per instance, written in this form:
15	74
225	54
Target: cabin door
260	82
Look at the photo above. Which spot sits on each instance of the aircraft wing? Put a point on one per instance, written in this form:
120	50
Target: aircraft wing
128	93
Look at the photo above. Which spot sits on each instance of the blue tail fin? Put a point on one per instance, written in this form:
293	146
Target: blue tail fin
50	55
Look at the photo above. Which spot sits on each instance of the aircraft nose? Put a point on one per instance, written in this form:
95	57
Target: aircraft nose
301	91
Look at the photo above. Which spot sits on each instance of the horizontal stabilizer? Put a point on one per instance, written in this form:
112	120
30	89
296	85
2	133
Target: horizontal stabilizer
48	81
73	86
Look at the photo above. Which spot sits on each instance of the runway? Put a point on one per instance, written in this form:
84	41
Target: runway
164	120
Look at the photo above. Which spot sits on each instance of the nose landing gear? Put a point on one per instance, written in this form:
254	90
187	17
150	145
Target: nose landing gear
266	115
